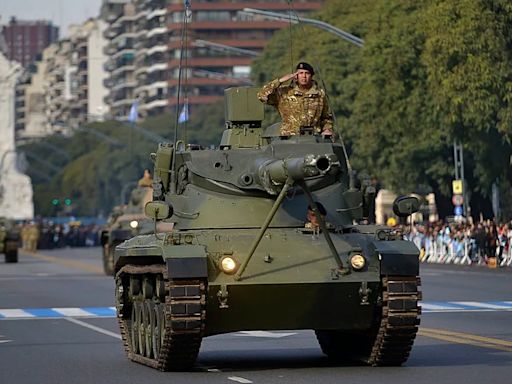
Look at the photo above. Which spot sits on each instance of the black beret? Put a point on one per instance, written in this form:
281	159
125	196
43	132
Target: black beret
306	67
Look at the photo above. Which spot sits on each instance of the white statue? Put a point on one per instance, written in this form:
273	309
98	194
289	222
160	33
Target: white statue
15	187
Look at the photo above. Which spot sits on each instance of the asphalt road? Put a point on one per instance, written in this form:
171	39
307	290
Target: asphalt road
465	334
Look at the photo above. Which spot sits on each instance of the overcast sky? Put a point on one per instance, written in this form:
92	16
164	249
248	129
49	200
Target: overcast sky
60	12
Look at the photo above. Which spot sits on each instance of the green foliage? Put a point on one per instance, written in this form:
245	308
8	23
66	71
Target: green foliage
430	72
94	173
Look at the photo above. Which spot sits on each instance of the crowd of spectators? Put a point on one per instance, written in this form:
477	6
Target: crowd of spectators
482	243
49	235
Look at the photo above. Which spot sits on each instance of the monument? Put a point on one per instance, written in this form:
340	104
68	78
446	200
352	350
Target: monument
15	187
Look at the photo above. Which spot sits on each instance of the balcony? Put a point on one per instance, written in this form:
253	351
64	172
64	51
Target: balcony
124	68
151	87
121	85
157	67
156	31
110	33
157	48
123	51
109	50
156	13
155	104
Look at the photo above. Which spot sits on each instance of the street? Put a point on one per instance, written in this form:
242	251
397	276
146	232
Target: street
57	324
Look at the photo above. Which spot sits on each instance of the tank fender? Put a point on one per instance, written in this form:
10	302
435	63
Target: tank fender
398	257
186	261
120	235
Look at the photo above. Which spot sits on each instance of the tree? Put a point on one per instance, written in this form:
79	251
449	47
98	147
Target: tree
429	72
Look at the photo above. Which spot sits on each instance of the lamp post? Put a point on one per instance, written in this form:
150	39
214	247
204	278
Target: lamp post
315	23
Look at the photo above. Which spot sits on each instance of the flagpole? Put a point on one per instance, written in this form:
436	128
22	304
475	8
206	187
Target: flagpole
186	14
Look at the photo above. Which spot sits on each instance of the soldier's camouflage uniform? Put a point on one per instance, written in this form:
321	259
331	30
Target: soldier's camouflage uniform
298	108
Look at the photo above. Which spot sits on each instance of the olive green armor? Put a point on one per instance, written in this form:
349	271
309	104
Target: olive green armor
239	256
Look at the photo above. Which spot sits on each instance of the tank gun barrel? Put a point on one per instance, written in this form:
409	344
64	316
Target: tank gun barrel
274	173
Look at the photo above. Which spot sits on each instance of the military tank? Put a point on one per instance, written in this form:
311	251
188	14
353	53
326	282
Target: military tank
125	222
241	258
9	240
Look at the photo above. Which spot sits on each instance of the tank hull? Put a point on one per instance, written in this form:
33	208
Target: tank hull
326	305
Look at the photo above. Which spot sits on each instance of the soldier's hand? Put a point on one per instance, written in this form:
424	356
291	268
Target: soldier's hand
288	77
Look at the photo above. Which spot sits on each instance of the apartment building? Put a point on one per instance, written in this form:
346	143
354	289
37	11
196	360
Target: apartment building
64	88
145	41
26	39
58	95
87	73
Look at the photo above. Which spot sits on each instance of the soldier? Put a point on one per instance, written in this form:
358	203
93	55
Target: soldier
24	235
312	219
33	237
146	180
301	104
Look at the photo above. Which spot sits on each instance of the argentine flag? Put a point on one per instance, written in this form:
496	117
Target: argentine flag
132	116
183	114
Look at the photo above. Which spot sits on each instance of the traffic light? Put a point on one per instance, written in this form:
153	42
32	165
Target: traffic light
55	201
67	201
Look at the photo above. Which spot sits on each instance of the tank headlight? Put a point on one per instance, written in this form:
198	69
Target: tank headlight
357	262
228	265
134	224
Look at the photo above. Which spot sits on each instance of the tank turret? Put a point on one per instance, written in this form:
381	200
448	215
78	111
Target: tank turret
245	252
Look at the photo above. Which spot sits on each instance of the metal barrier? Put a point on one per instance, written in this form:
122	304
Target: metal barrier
444	249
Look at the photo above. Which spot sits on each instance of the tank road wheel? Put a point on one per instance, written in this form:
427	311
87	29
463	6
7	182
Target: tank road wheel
142	329
11	256
158	330
165	330
149	325
135	321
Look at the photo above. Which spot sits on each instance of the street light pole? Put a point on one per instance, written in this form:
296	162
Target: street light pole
315	23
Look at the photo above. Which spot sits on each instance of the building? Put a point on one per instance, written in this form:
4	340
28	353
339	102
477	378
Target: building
58	95
64	89
145	41
87	73
26	39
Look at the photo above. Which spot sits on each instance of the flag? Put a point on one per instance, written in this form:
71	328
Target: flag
183	114
188	10
132	116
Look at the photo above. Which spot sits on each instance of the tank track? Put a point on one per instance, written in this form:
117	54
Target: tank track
390	341
399	322
162	323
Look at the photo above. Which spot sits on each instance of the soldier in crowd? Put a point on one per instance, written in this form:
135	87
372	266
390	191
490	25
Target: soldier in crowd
33	236
24	235
146	180
302	104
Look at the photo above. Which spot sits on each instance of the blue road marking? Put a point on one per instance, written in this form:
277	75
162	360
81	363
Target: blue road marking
43	312
101	311
109	312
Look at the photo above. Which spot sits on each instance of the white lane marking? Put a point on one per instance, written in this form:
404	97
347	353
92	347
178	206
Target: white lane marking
482	305
18	313
274	335
93	327
239	379
5	341
213	370
76	312
433	306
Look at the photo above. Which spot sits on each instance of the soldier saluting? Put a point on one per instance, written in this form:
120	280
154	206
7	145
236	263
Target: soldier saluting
301	103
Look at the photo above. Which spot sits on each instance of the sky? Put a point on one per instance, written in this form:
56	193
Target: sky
61	12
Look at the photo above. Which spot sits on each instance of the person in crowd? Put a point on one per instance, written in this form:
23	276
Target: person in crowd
146	180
